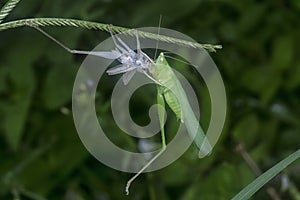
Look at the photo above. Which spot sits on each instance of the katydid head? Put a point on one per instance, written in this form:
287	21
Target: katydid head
161	59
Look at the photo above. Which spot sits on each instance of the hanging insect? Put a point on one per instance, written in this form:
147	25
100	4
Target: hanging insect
160	72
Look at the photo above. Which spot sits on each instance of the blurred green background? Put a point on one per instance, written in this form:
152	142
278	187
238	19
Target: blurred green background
41	154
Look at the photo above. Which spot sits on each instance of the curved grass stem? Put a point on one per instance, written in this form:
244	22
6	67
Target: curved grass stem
103	27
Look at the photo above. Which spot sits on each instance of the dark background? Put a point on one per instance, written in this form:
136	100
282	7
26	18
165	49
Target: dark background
41	154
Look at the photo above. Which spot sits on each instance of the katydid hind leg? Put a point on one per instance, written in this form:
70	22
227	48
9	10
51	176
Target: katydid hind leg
161	114
104	54
52	38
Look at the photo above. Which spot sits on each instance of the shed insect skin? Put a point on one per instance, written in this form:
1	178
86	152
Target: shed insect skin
130	61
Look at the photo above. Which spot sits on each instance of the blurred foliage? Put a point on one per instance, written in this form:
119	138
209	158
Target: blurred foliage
42	156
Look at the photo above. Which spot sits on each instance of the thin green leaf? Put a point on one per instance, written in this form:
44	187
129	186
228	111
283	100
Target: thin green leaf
259	182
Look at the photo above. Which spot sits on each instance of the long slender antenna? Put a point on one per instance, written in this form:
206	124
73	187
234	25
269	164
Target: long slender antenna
187	63
138	45
158	32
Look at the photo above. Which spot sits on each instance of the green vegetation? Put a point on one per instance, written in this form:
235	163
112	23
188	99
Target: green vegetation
42	156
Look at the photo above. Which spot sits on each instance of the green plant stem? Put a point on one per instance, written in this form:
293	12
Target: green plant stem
7	8
103	27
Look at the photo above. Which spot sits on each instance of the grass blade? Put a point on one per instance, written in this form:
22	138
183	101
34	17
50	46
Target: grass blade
259	182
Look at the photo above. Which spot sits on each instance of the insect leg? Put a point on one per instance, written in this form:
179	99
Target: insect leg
161	114
124	44
161	102
119	69
104	54
128	76
121	49
52	38
150	77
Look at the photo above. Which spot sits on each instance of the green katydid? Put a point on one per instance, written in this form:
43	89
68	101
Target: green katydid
163	73
169	89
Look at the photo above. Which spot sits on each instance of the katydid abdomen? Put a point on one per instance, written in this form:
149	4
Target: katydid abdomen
172	91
